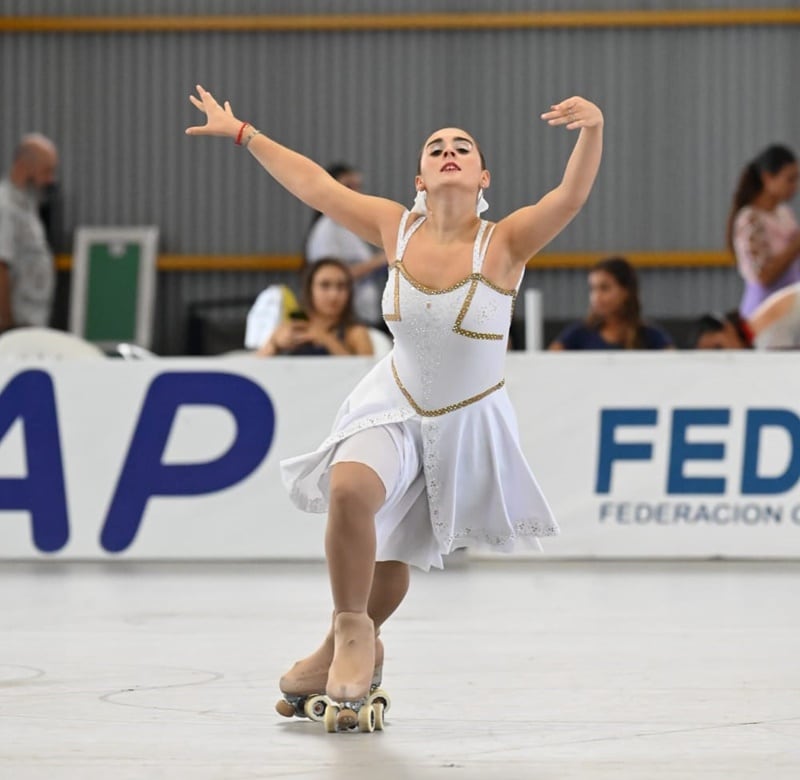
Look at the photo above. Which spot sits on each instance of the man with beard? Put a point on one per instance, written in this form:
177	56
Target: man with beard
27	273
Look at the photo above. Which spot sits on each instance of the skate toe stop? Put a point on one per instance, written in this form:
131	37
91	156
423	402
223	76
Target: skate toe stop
283	707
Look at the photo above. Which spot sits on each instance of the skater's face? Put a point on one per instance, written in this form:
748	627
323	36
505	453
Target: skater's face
330	291
451	157
606	295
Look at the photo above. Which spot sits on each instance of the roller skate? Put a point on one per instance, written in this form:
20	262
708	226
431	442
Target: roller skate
303	686
353	700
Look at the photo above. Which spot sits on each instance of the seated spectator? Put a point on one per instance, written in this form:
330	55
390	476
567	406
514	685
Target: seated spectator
614	320
326	325
775	324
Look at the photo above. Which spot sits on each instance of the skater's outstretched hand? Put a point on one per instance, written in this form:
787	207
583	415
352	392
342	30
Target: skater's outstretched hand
219	120
527	230
574	113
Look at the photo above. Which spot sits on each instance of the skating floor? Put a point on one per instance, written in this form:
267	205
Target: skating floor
514	670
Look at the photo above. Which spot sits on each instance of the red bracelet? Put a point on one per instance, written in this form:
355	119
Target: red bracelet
238	140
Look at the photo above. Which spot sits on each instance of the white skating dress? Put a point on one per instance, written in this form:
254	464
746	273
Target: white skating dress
463	480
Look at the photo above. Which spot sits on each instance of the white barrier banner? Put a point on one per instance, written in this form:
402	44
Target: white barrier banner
665	455
640	455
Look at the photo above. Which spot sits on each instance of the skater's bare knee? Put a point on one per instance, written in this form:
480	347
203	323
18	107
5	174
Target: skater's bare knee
355	489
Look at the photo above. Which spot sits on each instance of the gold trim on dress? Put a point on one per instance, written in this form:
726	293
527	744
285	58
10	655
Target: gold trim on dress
433	291
395	316
473	334
445	409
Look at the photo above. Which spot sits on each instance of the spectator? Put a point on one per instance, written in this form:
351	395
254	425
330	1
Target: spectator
326	325
775	324
27	273
762	231
327	238
614	320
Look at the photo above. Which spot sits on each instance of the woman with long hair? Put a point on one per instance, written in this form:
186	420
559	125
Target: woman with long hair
763	234
424	456
615	319
326	324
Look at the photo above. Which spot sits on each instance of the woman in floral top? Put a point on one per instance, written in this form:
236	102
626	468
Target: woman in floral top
762	231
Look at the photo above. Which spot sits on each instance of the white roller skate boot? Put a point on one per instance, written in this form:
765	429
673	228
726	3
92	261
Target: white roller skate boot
303	686
354	700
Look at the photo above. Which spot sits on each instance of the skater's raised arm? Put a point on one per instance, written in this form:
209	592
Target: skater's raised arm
369	217
529	229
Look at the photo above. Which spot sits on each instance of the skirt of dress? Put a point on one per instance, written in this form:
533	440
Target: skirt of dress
463	480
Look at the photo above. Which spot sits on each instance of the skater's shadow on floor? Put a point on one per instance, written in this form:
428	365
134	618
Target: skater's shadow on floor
356	754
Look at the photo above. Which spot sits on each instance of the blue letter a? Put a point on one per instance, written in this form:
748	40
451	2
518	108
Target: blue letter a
145	475
29	396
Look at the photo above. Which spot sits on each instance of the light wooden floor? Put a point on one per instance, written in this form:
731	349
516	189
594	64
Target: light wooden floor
516	670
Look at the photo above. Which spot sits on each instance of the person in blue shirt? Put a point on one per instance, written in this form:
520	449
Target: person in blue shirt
615	313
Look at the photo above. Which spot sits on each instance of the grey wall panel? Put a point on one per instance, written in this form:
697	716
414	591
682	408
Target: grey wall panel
684	107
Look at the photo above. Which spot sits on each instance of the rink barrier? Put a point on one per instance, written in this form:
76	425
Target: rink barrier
641	456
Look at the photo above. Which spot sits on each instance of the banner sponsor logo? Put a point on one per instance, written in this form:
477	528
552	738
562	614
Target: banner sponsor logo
756	478
30	398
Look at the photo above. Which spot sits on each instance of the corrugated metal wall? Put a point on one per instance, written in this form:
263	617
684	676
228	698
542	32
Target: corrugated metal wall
684	107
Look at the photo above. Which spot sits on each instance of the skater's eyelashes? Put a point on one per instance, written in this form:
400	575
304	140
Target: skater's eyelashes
436	146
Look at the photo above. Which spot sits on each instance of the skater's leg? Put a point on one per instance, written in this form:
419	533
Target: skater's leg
356	494
310	676
389	587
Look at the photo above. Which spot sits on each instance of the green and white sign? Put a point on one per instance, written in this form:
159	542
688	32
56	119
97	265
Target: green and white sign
113	284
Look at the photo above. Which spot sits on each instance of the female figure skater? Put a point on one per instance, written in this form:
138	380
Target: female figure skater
424	455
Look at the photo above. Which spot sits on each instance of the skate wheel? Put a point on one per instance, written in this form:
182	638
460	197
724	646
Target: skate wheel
378	708
346	719
367	718
315	708
284	708
380	695
329	718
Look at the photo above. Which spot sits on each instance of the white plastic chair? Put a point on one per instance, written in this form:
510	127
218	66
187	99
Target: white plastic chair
45	343
134	352
270	308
